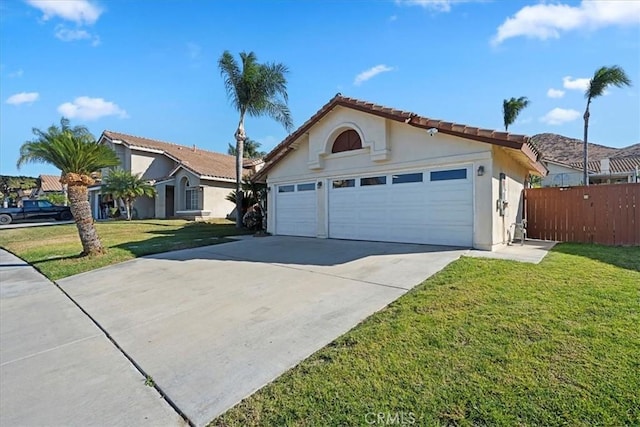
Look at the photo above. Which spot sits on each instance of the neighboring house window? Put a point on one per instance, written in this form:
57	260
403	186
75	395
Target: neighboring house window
347	141
192	199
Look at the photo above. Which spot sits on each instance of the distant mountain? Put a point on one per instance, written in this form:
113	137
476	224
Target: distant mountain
632	150
569	150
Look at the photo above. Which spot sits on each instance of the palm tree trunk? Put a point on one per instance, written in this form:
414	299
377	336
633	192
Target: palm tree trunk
127	204
81	210
585	157
240	138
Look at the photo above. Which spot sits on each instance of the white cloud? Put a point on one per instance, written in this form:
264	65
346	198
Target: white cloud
548	20
87	108
569	82
370	73
23	98
79	11
558	116
555	93
435	5
393	18
67	35
16	74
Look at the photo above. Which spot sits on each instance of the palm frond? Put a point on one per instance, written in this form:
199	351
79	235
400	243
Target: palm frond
68	149
605	77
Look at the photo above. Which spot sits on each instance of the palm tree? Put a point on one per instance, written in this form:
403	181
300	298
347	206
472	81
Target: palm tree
128	187
251	149
257	90
511	108
76	153
601	80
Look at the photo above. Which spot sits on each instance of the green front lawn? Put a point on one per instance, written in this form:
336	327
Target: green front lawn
484	342
54	249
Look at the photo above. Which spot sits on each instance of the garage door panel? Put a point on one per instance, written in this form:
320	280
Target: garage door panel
296	213
438	212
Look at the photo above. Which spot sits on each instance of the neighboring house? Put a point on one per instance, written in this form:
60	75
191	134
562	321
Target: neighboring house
190	182
49	184
361	171
563	156
615	170
562	174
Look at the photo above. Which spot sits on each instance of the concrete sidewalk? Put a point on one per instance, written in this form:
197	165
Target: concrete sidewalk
57	368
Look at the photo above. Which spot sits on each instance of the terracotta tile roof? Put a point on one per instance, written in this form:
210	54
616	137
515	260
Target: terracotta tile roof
199	161
50	183
616	165
505	139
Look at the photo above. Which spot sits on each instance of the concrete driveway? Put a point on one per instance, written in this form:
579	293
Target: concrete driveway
212	325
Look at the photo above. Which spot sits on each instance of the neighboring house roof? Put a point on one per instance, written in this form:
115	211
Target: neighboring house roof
50	183
566	165
201	162
505	139
570	150
617	165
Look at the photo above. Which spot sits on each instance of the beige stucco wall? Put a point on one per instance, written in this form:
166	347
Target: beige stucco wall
214	198
516	176
145	206
151	165
387	146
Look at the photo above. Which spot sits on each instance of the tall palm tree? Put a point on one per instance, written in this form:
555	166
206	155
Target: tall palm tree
76	153
128	187
511	108
256	90
603	78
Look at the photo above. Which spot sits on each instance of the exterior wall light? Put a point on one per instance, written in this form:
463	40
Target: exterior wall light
319	186
480	170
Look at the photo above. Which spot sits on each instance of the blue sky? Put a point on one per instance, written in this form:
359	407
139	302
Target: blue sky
149	68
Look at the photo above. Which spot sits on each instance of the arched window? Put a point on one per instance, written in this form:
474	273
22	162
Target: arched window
347	141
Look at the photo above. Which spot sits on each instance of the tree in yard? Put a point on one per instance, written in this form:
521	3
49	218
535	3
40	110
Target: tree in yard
511	108
603	78
76	153
251	149
256	90
126	186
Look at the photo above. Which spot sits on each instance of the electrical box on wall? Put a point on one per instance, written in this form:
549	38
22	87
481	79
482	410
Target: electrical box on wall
502	194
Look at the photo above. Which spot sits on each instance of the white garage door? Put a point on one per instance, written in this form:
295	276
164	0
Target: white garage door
432	206
296	209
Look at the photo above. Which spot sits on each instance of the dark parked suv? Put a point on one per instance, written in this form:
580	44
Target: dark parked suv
35	209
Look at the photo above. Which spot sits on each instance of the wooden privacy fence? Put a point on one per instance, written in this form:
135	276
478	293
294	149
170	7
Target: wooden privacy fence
604	214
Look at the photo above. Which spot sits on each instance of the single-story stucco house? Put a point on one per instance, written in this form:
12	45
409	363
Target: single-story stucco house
562	174
361	171
614	170
190	182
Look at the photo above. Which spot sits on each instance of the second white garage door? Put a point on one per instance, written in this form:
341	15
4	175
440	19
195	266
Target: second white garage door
296	212
430	206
